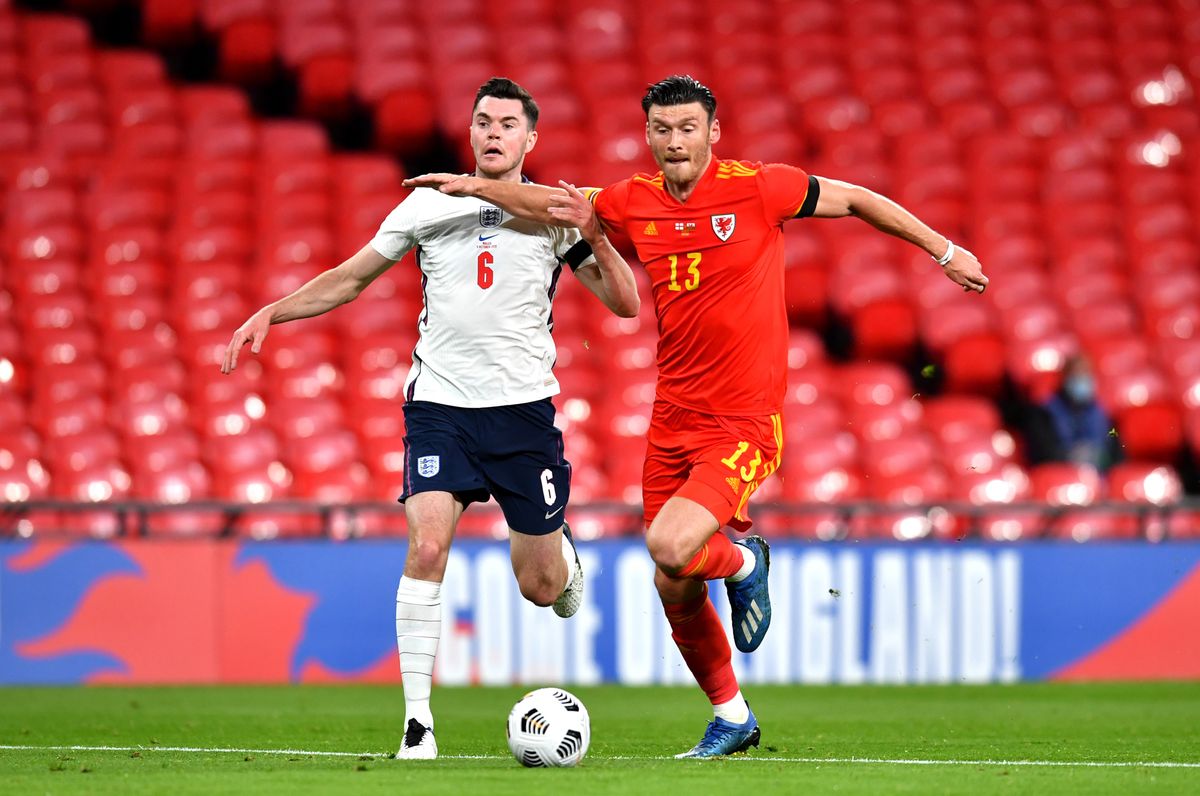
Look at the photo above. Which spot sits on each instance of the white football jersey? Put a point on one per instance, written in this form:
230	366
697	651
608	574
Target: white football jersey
487	279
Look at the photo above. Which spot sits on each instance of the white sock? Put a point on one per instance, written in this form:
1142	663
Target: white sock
747	567
568	554
735	710
418	629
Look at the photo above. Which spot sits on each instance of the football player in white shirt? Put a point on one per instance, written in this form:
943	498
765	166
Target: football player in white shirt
478	415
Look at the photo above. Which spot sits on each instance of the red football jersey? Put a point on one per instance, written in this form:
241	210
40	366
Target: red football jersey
716	266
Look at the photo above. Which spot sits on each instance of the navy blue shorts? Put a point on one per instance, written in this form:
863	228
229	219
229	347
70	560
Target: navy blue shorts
513	453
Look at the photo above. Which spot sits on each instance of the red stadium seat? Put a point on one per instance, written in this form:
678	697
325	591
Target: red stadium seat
349	483
817	417
884	329
102	483
1066	484
1144	482
890	458
181	482
1004	525
138	348
321	452
302	418
44	278
68	418
876	422
975	364
1153	431
149	417
195	178
206	281
85	451
255	450
159	453
61	346
209	385
318	380
65	382
1140	386
230	418
983	452
1085	525
821	452
952	418
1008	485
126	245
867	384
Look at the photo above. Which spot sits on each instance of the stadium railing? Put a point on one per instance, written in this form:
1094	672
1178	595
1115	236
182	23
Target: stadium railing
852	521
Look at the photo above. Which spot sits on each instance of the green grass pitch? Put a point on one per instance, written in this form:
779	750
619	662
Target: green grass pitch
1036	738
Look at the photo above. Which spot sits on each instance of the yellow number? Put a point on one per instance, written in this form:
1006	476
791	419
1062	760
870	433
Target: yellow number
754	463
693	280
731	462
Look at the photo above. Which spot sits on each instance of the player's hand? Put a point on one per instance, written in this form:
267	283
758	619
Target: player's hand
452	184
573	209
253	331
964	269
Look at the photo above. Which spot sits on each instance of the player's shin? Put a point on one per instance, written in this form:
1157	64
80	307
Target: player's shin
418	629
697	630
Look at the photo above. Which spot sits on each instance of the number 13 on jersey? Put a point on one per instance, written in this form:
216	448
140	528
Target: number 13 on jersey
692	280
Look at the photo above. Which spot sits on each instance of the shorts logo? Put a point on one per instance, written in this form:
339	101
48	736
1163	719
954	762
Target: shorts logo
490	216
734	484
428	466
723	225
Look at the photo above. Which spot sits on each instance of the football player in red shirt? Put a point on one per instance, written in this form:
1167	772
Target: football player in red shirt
709	233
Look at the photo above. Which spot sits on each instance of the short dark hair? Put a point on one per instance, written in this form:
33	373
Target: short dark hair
503	88
680	90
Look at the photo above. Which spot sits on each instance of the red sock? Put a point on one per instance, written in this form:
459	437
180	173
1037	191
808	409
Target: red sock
697	631
719	558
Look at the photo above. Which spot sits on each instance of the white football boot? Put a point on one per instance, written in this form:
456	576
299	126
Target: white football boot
418	744
568	602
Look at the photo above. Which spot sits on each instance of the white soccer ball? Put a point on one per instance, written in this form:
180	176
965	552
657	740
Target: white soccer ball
549	727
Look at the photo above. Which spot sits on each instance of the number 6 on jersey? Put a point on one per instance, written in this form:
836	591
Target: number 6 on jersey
485	275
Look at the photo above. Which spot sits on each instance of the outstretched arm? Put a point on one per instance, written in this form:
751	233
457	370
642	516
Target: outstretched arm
525	200
320	294
839	199
610	278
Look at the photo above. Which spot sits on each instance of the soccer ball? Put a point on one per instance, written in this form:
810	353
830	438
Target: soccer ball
549	727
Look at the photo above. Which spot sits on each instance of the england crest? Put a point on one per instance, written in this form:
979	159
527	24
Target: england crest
428	466
490	216
723	225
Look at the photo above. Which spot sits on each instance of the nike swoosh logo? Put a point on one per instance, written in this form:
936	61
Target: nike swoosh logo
550	514
487	237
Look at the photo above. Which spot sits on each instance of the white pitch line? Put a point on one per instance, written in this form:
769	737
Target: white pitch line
870	761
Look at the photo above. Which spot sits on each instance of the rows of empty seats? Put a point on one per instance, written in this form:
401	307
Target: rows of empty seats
144	220
1057	139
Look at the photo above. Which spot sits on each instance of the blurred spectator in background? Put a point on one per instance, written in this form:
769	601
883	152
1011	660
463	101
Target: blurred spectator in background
1071	425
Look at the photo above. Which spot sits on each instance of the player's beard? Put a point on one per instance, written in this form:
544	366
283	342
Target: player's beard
686	172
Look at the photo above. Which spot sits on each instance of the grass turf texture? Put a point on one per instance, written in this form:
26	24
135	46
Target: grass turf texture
633	731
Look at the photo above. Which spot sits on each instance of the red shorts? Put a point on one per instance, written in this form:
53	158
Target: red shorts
716	461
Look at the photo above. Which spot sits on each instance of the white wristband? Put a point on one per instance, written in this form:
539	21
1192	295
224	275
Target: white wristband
948	256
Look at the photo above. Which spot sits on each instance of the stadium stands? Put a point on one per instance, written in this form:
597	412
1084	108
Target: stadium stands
143	218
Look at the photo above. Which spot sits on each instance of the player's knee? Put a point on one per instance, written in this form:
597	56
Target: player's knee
428	554
668	551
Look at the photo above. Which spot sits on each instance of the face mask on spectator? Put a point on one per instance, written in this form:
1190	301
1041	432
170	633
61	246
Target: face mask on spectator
1080	389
